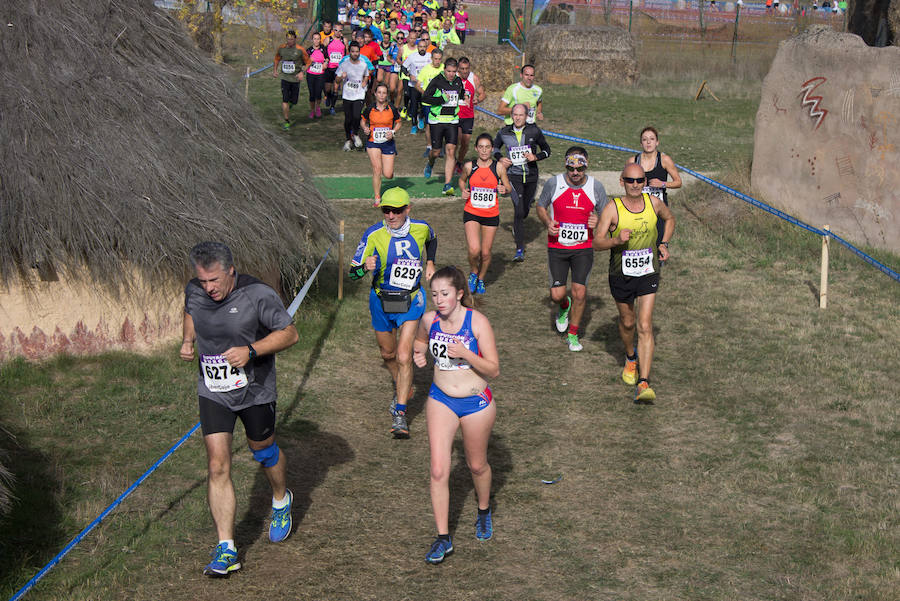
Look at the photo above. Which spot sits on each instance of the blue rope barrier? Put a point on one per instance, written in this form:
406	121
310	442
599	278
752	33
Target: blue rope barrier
292	309
28	586
258	71
748	199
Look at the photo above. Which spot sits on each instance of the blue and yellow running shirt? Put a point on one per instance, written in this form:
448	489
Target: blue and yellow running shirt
398	260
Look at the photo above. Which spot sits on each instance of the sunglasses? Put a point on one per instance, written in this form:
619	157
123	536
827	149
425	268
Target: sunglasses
394	210
634	180
570	169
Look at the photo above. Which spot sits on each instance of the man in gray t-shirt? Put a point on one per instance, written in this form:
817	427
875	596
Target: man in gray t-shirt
238	324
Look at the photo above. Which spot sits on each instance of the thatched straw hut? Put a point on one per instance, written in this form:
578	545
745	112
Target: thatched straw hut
122	147
581	55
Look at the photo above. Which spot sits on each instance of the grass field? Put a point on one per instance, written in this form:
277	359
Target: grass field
768	469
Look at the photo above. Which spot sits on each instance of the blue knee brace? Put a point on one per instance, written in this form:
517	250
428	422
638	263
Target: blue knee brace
268	456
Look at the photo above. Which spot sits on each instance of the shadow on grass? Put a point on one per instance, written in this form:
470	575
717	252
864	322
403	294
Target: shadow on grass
309	454
29	538
608	334
461	484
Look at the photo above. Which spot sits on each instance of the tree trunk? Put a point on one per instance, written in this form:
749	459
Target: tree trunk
218	30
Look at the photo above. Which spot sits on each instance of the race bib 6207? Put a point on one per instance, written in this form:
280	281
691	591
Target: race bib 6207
571	234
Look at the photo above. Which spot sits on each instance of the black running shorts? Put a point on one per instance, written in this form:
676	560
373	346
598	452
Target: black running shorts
258	420
443	133
290	91
562	260
625	289
486	221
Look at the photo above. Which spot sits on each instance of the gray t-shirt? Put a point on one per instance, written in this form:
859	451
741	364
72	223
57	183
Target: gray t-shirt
250	312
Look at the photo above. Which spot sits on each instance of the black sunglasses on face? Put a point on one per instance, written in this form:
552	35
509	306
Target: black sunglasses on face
570	169
634	180
394	210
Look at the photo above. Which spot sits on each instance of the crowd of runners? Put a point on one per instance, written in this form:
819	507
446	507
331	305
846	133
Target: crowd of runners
238	323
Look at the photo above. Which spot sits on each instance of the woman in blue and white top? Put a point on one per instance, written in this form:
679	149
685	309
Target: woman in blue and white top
461	342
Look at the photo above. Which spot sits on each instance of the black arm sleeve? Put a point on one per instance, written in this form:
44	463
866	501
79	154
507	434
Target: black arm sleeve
428	95
545	147
431	249
498	144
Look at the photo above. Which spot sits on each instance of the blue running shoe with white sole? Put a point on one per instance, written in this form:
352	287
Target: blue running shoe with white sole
224	562
479	287
428	169
473	282
520	255
421	123
440	549
280	526
484	528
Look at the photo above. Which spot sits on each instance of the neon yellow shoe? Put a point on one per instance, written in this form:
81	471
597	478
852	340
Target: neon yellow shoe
629	373
643	394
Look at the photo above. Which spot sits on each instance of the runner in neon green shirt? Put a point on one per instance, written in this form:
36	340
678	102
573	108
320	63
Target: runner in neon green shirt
524	92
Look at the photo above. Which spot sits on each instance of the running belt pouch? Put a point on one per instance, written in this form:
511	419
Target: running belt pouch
395	301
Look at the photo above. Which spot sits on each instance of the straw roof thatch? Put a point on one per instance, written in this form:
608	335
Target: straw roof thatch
124	146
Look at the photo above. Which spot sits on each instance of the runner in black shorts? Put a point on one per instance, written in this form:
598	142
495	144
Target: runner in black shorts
569	206
631	226
236	379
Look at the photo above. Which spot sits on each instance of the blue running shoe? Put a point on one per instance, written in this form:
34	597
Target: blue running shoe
520	255
473	282
224	562
421	123
414	130
331	110
427	152
484	529
440	549
449	190
280	527
479	287
428	169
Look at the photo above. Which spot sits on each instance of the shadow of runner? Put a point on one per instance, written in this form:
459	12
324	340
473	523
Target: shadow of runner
309	453
500	460
29	538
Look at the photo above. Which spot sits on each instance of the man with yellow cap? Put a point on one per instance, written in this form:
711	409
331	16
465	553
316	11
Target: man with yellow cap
394	250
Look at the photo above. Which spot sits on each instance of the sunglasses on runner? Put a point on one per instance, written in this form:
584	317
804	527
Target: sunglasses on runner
570	169
394	210
633	180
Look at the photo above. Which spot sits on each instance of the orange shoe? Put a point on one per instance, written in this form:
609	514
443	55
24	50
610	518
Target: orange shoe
629	373
643	394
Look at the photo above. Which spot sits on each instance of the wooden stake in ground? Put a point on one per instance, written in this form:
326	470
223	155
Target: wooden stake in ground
247	84
823	279
705	86
341	261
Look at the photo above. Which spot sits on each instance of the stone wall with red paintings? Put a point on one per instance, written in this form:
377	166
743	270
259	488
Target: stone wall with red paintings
827	139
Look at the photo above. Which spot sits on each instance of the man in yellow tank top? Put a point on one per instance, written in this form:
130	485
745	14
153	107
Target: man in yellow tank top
630	223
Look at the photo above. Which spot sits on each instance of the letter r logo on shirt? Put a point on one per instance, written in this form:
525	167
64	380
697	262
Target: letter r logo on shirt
401	248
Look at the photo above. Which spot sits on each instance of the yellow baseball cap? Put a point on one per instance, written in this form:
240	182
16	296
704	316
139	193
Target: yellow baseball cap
395	197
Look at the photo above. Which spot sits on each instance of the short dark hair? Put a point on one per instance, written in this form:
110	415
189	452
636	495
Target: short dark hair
292	32
450	62
650	128
484	136
207	254
525	66
353	44
464	59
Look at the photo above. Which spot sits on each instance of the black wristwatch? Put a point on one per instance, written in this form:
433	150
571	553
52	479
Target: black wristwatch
252	351
666	244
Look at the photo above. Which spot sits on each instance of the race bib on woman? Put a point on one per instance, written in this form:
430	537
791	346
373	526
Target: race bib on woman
380	134
316	69
219	376
438	344
483	198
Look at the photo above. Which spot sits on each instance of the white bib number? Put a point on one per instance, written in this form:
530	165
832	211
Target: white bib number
530	117
460	26
379	134
571	234
316	69
657	192
483	198
636	263
439	343
219	376
288	67
335	57
452	97
517	154
405	273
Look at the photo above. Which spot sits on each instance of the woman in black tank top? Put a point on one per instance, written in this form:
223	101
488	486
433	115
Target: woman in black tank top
659	167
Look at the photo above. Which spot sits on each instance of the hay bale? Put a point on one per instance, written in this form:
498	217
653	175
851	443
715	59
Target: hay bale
123	147
496	66
579	55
